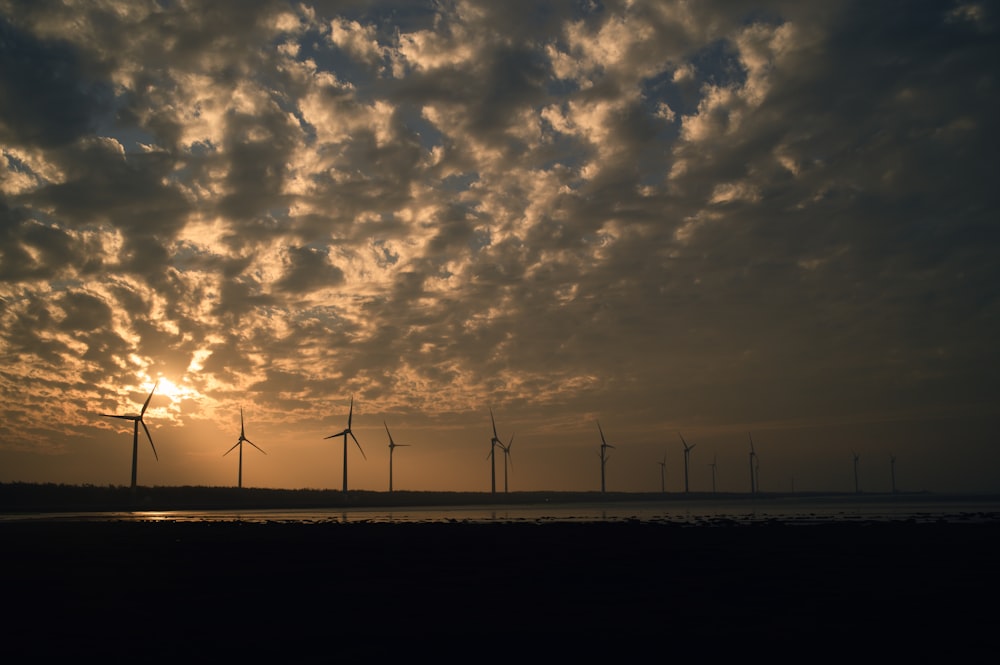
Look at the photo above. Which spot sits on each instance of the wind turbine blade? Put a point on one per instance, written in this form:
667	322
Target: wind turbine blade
350	414
111	415
236	445
494	422
601	431
391	443
337	434
146	404
148	436
359	446
254	445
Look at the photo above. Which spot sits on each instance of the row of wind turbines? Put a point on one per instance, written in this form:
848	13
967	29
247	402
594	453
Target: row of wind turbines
137	420
495	441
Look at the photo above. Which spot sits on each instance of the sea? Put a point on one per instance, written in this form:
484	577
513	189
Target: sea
723	512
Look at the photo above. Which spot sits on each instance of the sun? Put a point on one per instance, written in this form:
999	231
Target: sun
168	388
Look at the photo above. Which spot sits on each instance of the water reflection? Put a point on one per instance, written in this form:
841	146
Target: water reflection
689	512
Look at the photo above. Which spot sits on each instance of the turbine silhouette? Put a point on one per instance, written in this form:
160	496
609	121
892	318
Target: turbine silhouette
663	474
753	466
392	446
687	456
494	442
347	431
239	444
713	473
857	487
507	460
137	420
604	453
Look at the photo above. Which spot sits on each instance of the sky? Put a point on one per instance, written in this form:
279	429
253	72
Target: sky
722	221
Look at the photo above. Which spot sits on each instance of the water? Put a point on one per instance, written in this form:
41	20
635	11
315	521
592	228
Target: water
791	510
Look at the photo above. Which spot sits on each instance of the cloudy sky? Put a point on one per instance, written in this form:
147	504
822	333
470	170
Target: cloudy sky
713	220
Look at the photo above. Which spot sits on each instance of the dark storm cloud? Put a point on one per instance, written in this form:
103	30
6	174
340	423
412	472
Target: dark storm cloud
104	186
237	297
256	170
32	251
84	312
308	269
46	98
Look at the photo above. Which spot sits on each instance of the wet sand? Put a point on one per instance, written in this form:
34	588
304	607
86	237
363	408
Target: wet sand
475	592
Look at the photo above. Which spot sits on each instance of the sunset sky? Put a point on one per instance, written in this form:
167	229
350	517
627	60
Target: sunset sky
713	220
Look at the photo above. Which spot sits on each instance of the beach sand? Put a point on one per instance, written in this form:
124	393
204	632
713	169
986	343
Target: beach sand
468	592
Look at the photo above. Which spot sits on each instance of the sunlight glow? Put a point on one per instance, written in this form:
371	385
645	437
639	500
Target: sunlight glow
168	388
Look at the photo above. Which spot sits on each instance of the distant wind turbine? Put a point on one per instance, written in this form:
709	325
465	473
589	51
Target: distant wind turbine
347	430
507	461
892	470
687	456
753	466
857	487
392	446
239	444
713	473
137	420
663	474
604	453
494	442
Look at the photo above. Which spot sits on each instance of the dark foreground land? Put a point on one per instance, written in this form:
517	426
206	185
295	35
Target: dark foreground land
519	592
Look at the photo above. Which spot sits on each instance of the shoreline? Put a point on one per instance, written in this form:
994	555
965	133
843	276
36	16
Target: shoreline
52	498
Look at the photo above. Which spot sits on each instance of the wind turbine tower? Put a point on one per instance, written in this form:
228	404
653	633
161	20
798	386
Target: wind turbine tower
753	466
604	454
663	474
687	457
392	446
892	471
347	431
507	461
713	464
137	420
494	442
239	444
857	487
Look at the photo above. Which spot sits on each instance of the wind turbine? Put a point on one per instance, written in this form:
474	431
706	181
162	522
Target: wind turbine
392	446
350	415
753	466
857	488
687	456
137	420
507	460
239	443
663	474
756	473
604	453
493	460
892	470
713	473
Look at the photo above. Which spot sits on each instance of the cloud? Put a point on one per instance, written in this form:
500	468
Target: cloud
49	97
